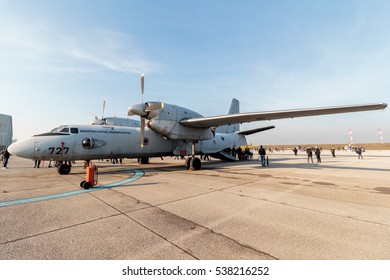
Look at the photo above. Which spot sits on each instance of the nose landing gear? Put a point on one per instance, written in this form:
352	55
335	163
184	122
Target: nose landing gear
63	168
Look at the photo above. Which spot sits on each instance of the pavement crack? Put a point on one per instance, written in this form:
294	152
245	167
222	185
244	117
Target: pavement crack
59	229
144	226
149	206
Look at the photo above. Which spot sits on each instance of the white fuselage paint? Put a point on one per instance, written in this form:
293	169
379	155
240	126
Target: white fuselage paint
115	142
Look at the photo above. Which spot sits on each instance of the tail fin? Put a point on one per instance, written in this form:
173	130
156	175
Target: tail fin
230	128
234	107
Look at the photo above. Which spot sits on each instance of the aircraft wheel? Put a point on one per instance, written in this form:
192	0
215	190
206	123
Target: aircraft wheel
195	163
63	169
144	160
86	185
188	163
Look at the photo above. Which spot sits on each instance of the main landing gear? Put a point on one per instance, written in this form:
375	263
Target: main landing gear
192	162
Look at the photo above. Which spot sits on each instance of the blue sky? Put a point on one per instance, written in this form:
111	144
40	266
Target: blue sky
60	59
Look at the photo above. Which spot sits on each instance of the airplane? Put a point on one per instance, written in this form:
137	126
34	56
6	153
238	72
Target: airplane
164	130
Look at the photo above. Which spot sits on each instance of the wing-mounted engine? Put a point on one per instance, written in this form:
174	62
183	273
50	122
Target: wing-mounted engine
166	122
165	119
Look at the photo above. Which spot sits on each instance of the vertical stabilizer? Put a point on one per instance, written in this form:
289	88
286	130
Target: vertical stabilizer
230	128
234	107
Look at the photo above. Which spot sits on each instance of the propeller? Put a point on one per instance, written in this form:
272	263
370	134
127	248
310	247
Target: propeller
98	121
104	107
143	110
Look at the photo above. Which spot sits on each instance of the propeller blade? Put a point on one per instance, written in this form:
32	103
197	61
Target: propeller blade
104	107
142	134
142	86
144	109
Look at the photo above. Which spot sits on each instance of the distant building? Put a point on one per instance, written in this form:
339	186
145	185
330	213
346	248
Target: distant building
6	132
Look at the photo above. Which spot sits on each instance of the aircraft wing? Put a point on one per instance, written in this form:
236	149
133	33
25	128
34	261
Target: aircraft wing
204	122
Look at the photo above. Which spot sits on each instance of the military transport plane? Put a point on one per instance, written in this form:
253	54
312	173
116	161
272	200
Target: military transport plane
170	130
164	130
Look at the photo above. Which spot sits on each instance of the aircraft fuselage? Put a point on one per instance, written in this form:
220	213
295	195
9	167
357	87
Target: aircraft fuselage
88	142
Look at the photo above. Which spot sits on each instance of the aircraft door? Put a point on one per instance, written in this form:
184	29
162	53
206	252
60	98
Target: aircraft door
36	152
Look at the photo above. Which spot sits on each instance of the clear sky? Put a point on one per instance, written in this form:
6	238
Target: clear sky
60	59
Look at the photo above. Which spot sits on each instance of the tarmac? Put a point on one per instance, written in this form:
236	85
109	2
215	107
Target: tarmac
290	210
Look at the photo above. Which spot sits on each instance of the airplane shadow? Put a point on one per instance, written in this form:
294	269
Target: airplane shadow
277	162
286	163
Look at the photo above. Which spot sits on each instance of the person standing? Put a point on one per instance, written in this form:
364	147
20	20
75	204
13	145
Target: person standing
318	154
309	152
262	154
6	156
37	163
359	151
239	153
333	151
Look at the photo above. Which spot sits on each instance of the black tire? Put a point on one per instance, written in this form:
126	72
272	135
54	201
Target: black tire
188	162
82	183
144	160
64	169
196	163
86	185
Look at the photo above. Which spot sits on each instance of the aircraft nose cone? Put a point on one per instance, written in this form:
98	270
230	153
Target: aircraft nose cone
22	148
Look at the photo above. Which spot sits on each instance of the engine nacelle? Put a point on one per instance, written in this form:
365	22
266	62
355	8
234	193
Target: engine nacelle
166	122
176	131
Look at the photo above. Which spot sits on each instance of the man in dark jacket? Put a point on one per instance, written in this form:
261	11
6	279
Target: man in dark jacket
6	156
262	154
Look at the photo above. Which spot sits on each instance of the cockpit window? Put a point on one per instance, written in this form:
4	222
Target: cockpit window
60	129
74	130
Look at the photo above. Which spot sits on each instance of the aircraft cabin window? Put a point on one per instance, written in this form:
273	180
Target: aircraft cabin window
74	130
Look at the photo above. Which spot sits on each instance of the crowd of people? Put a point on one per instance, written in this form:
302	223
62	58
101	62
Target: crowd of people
240	153
317	152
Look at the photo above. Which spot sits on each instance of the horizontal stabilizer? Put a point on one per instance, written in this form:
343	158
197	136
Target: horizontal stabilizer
256	130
